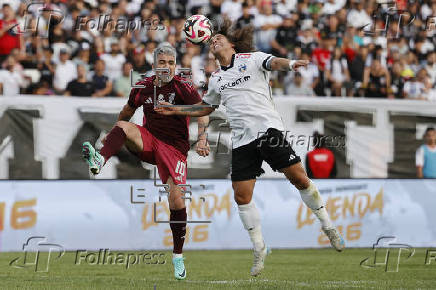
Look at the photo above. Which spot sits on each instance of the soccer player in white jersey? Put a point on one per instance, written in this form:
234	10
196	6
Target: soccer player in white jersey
242	86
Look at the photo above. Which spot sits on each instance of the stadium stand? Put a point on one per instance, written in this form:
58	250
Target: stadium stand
358	48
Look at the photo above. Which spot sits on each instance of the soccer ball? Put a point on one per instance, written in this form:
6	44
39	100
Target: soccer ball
198	29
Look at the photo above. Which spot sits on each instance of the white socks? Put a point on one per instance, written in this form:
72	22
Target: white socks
313	200
251	220
177	256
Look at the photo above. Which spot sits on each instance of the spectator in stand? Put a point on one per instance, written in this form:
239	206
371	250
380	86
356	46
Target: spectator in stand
113	61
377	81
309	75
320	162
247	18
358	17
231	9
150	46
266	24
321	56
397	81
333	31
423	77
83	56
80	87
65	72
284	7
10	79
357	70
123	85
100	81
430	66
337	73
306	40
426	155
298	88
332	6
10	36
47	68
138	60
286	37
414	89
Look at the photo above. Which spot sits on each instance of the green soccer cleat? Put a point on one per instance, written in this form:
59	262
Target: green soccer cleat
335	238
179	268
259	260
94	159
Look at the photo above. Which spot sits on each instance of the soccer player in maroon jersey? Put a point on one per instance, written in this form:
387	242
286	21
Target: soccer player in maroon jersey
161	140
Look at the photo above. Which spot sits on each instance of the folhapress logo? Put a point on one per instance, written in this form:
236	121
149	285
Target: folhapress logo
37	254
387	254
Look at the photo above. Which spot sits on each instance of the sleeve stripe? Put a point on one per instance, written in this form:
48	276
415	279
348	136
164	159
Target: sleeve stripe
267	63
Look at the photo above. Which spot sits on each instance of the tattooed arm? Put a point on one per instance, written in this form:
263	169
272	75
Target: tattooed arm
192	111
202	146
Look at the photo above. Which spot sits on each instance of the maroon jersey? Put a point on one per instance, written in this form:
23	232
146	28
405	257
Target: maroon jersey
173	129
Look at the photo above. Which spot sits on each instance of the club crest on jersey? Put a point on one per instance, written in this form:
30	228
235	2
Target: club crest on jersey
242	68
160	98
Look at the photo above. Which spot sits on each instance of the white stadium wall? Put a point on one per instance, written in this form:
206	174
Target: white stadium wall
113	214
41	137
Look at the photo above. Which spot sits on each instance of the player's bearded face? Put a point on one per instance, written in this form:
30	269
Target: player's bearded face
167	62
219	43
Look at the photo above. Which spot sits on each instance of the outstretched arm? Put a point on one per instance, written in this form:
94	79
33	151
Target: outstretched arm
185	111
284	64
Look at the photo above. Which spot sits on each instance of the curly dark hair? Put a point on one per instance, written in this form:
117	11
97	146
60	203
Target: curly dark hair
242	38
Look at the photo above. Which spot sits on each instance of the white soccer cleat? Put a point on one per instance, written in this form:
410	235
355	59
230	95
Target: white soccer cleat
259	260
335	238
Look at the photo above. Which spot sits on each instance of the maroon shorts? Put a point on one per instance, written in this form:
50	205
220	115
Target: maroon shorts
169	160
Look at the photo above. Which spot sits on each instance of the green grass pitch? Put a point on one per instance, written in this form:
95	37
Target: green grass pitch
284	269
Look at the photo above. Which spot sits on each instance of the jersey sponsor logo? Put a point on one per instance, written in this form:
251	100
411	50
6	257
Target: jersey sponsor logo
235	83
244	55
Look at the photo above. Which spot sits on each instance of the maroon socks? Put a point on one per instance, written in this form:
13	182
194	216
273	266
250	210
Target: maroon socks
113	143
178	229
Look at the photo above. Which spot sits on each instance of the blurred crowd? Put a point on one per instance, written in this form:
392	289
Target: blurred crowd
88	47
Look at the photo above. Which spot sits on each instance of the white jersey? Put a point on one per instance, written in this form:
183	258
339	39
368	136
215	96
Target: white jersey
243	88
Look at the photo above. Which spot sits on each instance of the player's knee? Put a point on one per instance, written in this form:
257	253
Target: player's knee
300	181
124	125
242	198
